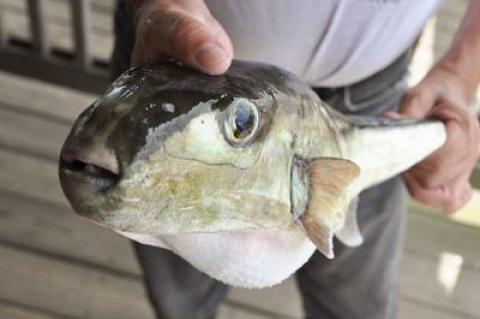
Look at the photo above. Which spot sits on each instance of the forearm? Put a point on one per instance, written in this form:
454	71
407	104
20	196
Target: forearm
463	57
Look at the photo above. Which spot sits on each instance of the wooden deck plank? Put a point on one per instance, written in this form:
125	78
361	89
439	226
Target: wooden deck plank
412	310
16	311
430	235
31	96
68	289
418	281
227	312
19	313
282	299
32	177
406	311
17	130
224	312
59	231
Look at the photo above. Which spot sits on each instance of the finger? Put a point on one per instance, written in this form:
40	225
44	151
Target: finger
417	102
449	198
200	43
460	151
447	164
461	116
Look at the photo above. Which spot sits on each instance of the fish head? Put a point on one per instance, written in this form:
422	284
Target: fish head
167	150
196	164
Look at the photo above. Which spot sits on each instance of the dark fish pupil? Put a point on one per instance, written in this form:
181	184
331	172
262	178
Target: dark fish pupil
244	121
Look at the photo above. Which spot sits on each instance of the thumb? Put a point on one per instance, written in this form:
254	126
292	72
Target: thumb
194	38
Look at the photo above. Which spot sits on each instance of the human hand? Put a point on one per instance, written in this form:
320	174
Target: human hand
183	30
442	180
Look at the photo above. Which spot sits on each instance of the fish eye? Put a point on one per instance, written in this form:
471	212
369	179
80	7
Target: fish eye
241	122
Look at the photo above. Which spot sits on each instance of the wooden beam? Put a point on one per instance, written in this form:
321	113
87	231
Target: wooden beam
59	68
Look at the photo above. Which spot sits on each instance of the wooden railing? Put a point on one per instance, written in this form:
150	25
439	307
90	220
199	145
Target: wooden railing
34	57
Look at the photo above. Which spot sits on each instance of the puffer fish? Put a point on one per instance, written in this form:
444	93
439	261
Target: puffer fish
243	175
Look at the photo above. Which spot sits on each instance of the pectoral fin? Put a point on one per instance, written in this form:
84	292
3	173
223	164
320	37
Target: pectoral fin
319	234
327	183
350	234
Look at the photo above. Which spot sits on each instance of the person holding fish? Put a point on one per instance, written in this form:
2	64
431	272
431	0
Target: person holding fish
355	56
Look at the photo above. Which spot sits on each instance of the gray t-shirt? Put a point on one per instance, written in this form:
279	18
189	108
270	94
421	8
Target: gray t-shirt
327	43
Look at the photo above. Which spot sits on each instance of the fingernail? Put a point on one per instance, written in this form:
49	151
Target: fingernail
212	58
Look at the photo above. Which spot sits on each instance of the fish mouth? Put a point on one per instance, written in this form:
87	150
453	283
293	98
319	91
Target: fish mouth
78	168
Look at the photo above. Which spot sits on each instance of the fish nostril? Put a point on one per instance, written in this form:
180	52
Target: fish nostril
101	167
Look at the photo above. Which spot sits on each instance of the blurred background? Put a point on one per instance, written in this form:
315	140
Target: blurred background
53	61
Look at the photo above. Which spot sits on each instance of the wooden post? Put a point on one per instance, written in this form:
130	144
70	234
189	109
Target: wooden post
37	27
81	27
3	35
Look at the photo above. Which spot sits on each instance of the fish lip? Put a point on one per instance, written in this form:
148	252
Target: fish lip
78	168
85	193
74	177
70	155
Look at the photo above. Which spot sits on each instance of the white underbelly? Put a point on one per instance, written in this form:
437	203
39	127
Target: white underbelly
250	259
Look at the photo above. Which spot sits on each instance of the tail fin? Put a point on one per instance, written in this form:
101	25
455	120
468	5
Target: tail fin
384	148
